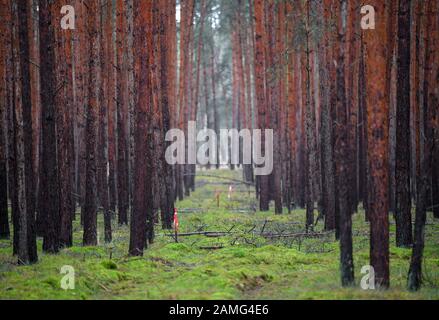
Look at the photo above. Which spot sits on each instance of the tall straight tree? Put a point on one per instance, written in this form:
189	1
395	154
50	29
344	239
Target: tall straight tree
194	109
292	98
277	105
34	56
351	80
376	46
90	205
142	200
49	188
10	116
81	79
248	56
24	188
282	115
122	113
427	138
327	152
111	102
65	129
187	88
166	10
342	162
4	33
310	116
185	9
261	103
102	172
216	119
403	196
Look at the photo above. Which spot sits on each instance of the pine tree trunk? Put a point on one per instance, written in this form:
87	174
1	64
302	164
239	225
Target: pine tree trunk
377	51
104	108
111	101
248	169
261	103
427	138
27	250
167	193
342	161
142	200
81	78
351	79
34	57
216	119
292	105
403	196
327	157
90	205
275	101
49	179
4	33
10	118
310	121
64	127
122	115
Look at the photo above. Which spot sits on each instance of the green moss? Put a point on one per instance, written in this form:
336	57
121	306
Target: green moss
251	268
110	265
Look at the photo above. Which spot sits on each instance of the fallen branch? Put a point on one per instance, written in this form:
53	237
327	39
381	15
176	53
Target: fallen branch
295	235
212	248
210	234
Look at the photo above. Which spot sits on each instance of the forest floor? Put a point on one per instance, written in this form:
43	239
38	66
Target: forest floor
256	256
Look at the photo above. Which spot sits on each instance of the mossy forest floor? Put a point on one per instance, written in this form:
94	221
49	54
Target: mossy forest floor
240	265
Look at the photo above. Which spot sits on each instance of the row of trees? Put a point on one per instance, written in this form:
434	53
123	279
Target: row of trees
84	110
355	110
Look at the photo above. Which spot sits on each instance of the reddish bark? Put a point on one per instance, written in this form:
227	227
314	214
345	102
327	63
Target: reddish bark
4	39
261	103
64	126
142	201
34	57
292	101
102	172
352	81
166	93
81	76
310	118
24	187
187	13
122	114
7	41
111	103
377	49
327	155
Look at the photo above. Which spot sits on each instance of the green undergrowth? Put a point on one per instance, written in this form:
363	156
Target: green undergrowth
239	265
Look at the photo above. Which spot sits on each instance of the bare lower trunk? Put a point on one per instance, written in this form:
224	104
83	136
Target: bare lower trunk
403	196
